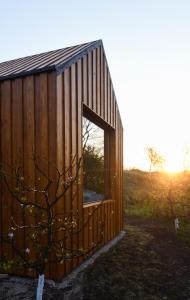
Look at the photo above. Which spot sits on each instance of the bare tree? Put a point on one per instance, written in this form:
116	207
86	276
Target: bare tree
46	228
156	160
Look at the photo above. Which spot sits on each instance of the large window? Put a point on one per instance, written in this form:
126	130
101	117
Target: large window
93	162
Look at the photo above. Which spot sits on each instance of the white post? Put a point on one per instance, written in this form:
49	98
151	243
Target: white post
176	222
40	287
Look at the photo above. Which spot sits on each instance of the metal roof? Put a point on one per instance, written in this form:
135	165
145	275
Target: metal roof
53	60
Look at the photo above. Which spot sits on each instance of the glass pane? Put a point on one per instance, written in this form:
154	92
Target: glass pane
93	162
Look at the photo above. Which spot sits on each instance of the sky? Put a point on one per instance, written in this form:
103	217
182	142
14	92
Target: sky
147	44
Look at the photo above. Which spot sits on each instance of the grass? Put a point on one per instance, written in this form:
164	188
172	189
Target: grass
153	194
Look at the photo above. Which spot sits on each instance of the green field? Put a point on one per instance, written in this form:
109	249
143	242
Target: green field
158	195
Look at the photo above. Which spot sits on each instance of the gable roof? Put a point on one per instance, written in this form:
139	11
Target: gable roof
48	61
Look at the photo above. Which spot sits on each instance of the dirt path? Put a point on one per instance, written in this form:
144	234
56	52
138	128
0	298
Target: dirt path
149	263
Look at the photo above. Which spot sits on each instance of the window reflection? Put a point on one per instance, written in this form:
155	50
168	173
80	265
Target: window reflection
93	162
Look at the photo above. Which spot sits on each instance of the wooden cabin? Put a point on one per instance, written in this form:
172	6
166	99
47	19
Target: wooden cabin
44	101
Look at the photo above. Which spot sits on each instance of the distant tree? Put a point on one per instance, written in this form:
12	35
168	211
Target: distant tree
93	169
156	160
186	160
93	157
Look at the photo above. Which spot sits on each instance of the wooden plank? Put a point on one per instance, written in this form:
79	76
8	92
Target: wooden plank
60	156
29	149
111	220
90	229
41	121
120	171
41	141
102	85
59	124
29	128
53	109
105	92
108	98
116	178
98	83
94	99
6	150
67	155
113	109
95	225
99	225
86	225
79	155
103	224
17	156
106	165
84	81
110	217
74	155
105	221
108	214
120	208
17	123
121	177
113	173
121	134
89	101
111	105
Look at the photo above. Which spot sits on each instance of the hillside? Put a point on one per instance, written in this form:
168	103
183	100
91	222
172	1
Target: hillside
156	194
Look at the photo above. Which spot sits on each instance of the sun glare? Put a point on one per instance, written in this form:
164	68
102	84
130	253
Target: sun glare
173	163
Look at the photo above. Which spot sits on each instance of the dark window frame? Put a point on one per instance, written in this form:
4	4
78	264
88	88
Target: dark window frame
109	133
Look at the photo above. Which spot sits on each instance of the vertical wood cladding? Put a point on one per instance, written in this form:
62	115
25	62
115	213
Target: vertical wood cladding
42	114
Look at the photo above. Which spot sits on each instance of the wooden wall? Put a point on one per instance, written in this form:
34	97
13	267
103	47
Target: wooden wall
42	114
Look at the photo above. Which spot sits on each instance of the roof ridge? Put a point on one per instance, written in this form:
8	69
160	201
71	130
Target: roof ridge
32	64
44	52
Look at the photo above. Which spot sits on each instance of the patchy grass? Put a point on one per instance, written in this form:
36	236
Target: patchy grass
148	263
157	194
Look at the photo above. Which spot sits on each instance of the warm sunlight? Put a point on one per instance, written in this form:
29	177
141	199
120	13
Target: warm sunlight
172	166
87	88
176	156
174	162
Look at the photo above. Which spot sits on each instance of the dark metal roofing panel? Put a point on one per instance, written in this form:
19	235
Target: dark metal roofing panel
52	60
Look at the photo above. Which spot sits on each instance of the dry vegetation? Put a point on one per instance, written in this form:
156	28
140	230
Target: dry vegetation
152	261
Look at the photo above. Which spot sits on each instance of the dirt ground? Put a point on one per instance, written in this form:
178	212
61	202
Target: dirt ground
150	262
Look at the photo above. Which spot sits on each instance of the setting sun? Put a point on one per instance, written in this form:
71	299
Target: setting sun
174	161
172	166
